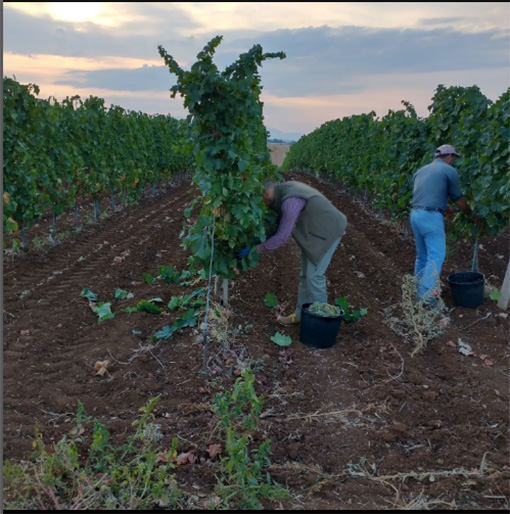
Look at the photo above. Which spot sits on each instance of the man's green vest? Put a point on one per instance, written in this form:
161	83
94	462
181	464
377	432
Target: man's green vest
318	225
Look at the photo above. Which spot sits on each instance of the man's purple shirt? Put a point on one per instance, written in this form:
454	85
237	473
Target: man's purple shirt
291	207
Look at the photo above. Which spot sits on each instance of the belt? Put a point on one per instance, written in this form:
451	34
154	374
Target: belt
430	209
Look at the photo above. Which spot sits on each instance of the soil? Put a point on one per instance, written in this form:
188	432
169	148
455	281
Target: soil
360	425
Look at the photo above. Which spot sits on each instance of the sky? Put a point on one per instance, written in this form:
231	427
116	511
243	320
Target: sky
342	58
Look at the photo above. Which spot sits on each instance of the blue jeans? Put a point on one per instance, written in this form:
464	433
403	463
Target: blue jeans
430	239
312	281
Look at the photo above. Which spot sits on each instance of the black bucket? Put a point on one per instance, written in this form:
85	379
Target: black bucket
467	288
318	331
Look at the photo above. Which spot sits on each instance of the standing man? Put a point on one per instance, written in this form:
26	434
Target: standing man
433	185
316	226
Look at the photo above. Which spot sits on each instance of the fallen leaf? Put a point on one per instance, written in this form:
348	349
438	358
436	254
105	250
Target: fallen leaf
483	356
76	432
214	450
101	367
452	344
203	390
185	458
162	457
286	356
465	348
24	333
488	362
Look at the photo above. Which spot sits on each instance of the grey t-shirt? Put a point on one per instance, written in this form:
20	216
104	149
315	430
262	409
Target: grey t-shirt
434	183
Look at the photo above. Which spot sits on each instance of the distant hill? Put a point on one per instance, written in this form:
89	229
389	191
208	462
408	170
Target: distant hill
277	136
280	142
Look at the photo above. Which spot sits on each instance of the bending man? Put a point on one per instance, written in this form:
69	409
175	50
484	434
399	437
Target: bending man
316	226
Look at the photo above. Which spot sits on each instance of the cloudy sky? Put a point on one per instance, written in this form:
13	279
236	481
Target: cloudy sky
342	59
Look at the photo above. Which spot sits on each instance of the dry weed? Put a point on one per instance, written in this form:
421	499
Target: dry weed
421	502
220	325
413	320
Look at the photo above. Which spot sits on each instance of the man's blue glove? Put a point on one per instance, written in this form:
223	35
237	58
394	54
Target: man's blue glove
243	253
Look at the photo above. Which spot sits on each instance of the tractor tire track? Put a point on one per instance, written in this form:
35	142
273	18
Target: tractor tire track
47	303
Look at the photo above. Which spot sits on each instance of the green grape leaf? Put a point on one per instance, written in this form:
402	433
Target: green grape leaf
103	311
270	300
281	340
87	293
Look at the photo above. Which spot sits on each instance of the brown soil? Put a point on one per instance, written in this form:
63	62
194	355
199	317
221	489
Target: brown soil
432	430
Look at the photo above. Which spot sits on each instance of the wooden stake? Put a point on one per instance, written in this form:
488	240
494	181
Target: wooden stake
224	286
504	294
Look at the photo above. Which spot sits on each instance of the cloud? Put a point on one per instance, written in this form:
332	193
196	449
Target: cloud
323	60
361	68
336	60
29	34
146	78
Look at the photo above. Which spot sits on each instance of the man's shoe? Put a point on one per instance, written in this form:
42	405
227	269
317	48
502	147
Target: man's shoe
287	321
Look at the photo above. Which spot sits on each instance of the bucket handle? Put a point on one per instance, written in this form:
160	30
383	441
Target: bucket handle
475	257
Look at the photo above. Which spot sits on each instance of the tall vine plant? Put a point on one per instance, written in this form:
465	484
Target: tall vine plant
231	157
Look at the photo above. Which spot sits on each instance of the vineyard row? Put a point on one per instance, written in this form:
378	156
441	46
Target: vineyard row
377	157
58	154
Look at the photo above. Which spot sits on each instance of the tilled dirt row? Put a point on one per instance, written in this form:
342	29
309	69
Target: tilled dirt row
340	419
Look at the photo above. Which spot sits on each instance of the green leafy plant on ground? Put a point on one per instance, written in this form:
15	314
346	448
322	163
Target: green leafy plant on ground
120	294
243	482
188	319
350	314
281	340
147	306
195	299
270	300
84	471
102	309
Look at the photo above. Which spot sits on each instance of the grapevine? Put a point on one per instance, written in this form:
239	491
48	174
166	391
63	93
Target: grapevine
58	155
231	155
378	157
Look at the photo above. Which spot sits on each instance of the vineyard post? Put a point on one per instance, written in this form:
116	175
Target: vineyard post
54	229
504	294
76	215
224	286
24	243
